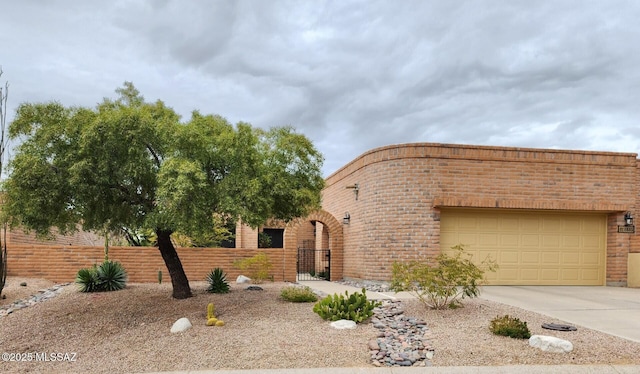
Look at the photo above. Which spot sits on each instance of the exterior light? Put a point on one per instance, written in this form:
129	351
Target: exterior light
628	219
347	218
355	188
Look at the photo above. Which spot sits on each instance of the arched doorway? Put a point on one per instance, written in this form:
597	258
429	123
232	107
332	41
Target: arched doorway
293	238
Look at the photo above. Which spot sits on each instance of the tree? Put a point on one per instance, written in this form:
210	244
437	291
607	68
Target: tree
4	92
132	164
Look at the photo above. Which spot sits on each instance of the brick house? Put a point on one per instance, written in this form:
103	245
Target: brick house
549	217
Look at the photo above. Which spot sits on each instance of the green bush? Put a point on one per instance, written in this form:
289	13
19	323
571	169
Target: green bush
441	285
298	294
87	279
217	281
109	276
257	267
354	307
510	326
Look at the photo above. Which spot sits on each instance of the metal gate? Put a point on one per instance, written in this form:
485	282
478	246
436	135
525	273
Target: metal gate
314	264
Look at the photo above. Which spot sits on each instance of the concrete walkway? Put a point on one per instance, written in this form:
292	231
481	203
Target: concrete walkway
525	369
613	310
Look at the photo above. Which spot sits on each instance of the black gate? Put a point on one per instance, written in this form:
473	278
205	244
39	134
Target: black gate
314	264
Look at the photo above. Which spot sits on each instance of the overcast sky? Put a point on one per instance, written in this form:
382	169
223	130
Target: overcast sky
350	75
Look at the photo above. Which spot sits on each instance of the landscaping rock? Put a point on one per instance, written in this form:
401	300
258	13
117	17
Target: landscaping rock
183	324
550	344
254	288
242	279
343	324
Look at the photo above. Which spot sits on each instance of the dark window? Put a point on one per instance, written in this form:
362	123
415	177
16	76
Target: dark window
276	236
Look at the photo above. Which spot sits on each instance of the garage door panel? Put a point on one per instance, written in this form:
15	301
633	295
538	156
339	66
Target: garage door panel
550	258
509	257
545	248
530	258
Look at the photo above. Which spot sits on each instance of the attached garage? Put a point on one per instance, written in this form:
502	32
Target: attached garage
531	247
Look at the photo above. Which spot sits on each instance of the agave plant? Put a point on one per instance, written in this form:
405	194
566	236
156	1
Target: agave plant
87	279
217	281
111	276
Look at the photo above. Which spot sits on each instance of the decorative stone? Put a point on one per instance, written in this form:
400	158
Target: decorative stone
343	324
550	344
242	279
254	288
183	324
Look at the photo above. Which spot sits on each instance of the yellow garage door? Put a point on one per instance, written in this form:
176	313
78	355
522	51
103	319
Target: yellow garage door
531	248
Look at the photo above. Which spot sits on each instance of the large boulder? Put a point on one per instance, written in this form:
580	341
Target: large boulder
183	324
550	344
242	279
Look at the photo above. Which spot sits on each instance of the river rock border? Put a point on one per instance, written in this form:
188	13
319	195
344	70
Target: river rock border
42	295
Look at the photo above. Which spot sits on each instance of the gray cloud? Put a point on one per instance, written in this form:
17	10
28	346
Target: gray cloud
351	75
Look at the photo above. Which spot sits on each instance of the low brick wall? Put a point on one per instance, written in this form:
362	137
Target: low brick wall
61	263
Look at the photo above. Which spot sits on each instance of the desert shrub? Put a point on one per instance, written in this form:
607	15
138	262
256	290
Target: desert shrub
257	267
354	307
109	276
87	279
298	294
442	285
510	326
217	280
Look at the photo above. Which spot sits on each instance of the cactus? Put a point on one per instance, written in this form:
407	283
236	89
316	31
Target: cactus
220	323
354	307
211	311
212	321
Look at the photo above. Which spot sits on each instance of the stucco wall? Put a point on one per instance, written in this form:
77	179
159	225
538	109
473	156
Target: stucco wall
401	188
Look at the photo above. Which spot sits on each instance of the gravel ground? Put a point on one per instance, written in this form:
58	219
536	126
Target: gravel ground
128	331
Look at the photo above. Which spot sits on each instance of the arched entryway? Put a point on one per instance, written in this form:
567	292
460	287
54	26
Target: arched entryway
335	243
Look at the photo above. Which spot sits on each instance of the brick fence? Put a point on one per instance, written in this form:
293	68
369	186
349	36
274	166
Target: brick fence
61	263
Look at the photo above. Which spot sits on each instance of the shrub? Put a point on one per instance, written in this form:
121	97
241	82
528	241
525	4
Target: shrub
441	285
87	279
109	276
217	281
354	307
256	267
510	326
298	294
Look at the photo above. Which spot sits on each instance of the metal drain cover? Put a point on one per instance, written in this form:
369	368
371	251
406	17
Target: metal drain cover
558	327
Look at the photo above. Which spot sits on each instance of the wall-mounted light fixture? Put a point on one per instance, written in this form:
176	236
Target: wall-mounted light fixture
355	188
628	219
347	218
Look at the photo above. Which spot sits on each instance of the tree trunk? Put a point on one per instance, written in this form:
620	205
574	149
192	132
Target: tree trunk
181	289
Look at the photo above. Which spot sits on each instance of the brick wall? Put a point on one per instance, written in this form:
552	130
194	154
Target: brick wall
402	187
61	263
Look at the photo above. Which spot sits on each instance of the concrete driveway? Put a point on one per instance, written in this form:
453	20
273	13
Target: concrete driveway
613	310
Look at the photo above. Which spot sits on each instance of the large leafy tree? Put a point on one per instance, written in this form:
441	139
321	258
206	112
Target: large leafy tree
132	164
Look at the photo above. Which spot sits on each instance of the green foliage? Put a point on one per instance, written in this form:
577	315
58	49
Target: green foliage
264	240
442	285
510	326
217	280
298	294
87	279
354	307
257	268
109	276
132	163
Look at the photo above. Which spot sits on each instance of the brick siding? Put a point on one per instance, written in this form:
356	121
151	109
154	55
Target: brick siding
402	188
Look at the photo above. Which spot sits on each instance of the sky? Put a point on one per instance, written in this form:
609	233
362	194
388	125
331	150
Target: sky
350	75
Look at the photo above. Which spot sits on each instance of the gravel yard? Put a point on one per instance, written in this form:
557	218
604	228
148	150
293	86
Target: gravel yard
128	331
